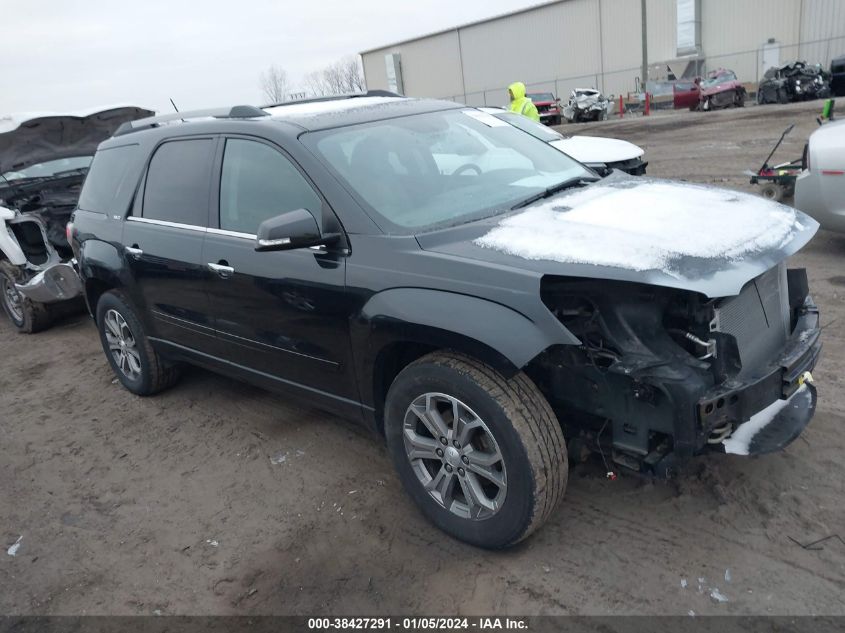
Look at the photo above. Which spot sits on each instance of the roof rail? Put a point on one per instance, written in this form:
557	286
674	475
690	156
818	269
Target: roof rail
235	112
353	95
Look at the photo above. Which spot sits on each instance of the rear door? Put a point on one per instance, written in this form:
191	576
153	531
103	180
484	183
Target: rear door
283	315
163	238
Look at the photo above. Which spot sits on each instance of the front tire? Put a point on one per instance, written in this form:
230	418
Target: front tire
483	456
136	364
26	315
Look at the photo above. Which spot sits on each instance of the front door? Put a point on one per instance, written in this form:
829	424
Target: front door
284	315
163	241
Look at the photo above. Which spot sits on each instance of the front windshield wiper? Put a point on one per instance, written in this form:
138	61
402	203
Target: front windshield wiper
578	181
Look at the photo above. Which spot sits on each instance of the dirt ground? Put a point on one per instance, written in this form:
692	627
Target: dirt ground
219	498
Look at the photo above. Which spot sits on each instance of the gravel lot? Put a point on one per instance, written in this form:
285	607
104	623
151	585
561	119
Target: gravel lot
219	498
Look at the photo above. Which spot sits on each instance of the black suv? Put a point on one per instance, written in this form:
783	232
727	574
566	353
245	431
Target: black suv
427	269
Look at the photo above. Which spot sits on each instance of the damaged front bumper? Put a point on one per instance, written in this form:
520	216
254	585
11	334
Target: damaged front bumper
767	413
59	282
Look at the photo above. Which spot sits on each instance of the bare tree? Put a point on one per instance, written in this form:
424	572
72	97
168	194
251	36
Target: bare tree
274	84
342	77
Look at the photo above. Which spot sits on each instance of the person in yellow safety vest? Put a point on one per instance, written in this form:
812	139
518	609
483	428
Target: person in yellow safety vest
520	103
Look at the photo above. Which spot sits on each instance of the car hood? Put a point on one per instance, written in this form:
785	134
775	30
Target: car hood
728	85
36	137
643	230
596	149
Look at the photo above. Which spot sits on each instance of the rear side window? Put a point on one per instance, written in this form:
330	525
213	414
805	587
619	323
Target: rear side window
110	180
259	183
177	182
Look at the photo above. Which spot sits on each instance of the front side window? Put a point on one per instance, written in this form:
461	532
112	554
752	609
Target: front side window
441	168
258	183
178	182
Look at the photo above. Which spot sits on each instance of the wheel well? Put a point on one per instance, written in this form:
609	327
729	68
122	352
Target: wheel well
390	361
94	289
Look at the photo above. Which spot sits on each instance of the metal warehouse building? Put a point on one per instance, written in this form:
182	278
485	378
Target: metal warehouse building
599	43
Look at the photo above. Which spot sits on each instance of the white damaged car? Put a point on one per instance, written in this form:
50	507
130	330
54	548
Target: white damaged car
44	158
600	153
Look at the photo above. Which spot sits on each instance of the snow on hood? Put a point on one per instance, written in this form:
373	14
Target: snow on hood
27	139
647	225
597	149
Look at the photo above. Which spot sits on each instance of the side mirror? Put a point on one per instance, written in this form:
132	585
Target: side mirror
289	231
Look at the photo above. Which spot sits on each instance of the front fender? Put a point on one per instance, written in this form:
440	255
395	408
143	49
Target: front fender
499	335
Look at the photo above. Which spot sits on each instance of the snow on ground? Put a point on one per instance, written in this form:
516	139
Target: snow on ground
331	105
644	226
740	441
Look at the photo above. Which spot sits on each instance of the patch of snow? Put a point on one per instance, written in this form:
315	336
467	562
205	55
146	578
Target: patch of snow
717	595
644	226
691	613
212	542
740	441
278	458
727	575
332	105
13	550
683	583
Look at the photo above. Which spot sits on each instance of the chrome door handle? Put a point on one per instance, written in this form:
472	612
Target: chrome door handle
224	271
134	251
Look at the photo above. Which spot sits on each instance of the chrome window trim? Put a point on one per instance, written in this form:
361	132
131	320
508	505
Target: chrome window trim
246	236
175	225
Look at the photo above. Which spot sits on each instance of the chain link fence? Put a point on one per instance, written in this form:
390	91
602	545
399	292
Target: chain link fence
749	66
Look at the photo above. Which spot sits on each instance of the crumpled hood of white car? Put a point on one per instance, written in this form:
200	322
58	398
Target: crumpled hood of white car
36	137
597	149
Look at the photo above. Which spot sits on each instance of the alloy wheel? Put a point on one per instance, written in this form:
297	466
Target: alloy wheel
455	456
122	345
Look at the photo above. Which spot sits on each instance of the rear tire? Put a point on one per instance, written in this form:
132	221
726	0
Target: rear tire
136	364
514	453
26	315
772	191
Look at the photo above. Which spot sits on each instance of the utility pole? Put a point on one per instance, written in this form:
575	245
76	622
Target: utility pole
644	71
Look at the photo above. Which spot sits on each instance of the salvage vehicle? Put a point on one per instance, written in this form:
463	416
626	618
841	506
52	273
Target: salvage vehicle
795	81
837	76
600	154
548	107
43	162
587	104
480	319
720	89
820	189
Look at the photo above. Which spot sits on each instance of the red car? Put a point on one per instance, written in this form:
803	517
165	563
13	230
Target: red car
548	107
721	89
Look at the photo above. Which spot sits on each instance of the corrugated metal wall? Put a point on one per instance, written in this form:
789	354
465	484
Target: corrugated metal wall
822	20
596	43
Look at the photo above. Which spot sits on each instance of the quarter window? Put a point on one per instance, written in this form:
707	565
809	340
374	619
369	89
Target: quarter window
259	183
178	181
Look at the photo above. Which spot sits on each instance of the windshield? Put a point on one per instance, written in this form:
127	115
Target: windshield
537	130
540	96
442	168
718	79
50	168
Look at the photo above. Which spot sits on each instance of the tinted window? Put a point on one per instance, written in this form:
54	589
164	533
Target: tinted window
258	183
177	182
110	178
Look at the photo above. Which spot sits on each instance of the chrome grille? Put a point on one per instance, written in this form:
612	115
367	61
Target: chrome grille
758	317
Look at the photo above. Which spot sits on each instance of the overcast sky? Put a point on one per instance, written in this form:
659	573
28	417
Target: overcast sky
73	54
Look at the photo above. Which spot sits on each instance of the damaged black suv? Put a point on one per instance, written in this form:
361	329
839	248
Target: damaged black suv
476	296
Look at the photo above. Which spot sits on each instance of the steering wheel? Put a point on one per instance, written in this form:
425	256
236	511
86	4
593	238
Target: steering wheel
466	166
